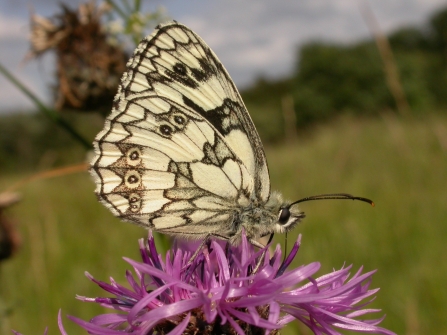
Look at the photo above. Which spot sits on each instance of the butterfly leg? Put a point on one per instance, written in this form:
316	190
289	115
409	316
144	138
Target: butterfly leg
206	240
222	237
261	259
197	252
257	244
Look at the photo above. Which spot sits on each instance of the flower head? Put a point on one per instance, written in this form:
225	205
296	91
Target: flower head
219	292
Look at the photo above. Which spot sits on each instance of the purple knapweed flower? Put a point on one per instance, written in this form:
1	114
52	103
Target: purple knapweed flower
221	291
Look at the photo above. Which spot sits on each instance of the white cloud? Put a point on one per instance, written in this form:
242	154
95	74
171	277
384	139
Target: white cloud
262	36
249	37
13	27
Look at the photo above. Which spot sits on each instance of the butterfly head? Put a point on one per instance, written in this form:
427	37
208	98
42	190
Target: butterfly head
287	215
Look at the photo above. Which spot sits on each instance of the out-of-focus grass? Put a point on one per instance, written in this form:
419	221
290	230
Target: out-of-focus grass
400	164
64	233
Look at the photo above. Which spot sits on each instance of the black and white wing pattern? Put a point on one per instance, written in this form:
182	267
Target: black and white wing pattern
179	153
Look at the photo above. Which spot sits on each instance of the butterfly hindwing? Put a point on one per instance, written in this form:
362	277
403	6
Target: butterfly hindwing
179	152
165	169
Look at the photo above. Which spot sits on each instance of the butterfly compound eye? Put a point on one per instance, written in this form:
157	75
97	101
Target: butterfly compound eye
284	215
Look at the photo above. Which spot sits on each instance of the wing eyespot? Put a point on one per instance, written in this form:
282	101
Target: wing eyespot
179	119
134	197
133	156
180	69
166	130
134	202
132	179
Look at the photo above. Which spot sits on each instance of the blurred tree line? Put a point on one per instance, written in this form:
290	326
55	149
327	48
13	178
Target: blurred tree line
328	79
32	141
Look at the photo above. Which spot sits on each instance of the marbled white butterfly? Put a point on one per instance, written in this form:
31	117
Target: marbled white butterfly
179	153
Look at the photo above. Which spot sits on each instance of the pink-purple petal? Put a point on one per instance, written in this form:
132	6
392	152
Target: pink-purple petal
60	324
178	330
259	322
167	311
94	329
144	301
106	319
221	284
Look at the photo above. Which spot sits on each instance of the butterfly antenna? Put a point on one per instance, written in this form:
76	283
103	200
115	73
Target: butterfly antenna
329	196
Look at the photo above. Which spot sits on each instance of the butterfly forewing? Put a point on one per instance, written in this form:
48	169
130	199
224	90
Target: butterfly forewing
189	73
179	152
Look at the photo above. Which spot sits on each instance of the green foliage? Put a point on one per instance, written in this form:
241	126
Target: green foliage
32	141
414	69
339	79
399	163
264	105
438	24
409	38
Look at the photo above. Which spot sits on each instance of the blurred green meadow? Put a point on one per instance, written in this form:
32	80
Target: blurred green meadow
400	163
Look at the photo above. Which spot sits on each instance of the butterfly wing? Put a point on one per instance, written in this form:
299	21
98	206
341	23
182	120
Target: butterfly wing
178	65
179	152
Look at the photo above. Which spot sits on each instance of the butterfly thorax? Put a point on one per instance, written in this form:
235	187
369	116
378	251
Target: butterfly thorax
261	219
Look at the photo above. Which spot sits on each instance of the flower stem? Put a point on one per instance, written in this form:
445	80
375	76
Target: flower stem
51	113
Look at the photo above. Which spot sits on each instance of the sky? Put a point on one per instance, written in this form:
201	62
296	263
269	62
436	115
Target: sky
251	38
